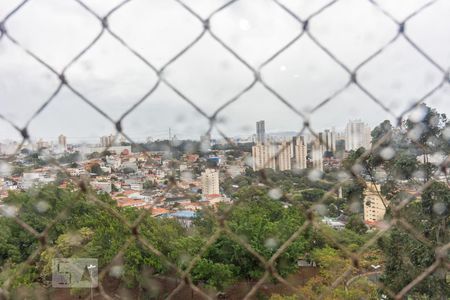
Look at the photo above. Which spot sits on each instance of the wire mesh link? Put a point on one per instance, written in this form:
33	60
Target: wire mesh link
269	265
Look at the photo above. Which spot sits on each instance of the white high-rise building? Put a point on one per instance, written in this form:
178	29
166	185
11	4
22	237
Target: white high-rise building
205	142
210	182
328	139
300	153
357	135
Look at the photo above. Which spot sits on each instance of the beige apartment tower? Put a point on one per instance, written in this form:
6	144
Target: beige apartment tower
280	156
374	204
264	156
317	151
284	155
62	142
300	154
210	182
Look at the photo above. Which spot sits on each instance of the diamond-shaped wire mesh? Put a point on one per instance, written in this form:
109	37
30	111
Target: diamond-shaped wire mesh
182	276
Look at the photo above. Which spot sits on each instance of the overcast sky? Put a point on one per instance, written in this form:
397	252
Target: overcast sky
114	79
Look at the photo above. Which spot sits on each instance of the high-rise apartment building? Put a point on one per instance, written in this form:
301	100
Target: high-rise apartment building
357	135
62	142
374	204
210	182
300	153
283	156
280	156
264	156
261	132
205	142
328	139
107	141
104	141
317	151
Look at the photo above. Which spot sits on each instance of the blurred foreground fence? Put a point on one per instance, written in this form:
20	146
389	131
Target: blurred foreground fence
183	275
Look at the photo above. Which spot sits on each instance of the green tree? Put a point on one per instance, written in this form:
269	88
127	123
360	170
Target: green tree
435	205
265	224
407	257
61	177
213	274
403	165
70	158
331	264
18	171
426	132
128	170
95	168
382	131
356	224
312	195
83	232
147	185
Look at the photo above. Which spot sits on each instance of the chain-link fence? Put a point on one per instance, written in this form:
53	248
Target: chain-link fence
182	275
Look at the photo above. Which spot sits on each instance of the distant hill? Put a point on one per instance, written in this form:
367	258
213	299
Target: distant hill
283	133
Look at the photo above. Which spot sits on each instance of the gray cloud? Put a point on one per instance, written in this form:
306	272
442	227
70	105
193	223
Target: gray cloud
114	79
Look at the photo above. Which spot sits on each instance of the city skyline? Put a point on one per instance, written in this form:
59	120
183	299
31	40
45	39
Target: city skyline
166	133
